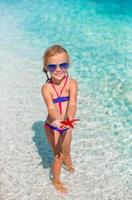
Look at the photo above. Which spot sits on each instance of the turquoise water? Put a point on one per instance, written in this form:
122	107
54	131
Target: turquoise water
98	36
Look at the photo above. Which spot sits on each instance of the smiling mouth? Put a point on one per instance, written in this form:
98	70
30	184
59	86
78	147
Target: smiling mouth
59	74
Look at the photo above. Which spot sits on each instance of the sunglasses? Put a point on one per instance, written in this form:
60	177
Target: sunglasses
52	67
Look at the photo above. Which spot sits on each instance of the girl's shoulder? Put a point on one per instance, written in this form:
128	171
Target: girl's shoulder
44	87
73	82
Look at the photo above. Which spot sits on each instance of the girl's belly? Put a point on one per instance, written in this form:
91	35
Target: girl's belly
63	116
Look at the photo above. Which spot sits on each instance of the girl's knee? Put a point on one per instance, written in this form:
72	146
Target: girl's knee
66	153
58	155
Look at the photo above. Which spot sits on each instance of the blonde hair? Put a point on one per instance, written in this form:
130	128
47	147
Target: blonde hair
52	51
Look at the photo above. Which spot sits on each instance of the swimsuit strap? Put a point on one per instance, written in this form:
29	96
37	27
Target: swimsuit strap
60	92
62	87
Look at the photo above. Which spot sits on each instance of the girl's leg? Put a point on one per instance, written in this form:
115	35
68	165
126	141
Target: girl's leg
50	136
58	157
66	144
55	142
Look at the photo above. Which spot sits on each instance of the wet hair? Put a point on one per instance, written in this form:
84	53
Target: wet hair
52	51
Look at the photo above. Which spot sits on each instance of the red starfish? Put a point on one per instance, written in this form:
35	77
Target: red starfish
69	122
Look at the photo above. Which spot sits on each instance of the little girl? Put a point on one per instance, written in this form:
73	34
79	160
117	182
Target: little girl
60	95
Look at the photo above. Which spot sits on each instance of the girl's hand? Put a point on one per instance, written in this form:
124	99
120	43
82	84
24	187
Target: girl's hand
75	123
58	124
69	123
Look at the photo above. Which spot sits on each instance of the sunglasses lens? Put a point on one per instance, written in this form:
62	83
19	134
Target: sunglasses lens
64	65
51	67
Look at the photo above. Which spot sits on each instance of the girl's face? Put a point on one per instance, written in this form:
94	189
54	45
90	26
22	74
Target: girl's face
59	72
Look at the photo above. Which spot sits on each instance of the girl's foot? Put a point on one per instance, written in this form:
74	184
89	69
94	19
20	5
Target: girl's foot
69	168
60	187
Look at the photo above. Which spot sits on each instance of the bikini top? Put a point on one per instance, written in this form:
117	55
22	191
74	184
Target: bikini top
60	98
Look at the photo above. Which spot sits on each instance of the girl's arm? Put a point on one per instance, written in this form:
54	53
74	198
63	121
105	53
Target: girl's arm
54	115
72	107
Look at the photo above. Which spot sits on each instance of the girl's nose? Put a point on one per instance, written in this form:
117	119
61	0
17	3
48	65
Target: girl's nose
58	68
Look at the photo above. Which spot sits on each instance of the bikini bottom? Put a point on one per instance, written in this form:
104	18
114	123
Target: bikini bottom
61	131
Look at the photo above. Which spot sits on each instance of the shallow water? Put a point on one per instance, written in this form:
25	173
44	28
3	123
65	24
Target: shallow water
97	35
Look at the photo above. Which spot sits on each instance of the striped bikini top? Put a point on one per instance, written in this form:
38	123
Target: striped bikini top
60	98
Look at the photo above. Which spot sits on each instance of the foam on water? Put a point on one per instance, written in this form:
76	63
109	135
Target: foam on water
97	35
